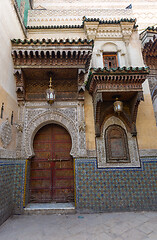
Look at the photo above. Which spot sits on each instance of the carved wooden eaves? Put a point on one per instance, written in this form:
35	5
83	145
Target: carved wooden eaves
150	53
105	85
51	54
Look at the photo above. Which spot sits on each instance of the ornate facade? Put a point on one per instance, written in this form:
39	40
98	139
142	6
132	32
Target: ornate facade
149	42
99	123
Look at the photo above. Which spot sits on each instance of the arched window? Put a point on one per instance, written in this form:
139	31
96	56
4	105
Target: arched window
110	60
116	144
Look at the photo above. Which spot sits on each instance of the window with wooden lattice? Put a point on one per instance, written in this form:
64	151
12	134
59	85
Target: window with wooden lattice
116	144
110	60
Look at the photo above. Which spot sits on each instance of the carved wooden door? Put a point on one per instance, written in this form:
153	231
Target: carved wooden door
51	177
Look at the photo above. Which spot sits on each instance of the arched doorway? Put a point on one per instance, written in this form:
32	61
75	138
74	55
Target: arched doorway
51	174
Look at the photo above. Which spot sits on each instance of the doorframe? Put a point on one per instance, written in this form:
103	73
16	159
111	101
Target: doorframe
26	172
49	118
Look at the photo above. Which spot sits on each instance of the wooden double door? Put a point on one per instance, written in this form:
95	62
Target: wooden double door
51	174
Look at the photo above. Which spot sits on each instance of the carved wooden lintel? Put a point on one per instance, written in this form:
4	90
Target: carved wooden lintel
80	82
134	108
97	122
110	83
20	89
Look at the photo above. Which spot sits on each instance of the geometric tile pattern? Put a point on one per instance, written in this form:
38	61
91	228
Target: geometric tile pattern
97	190
115	189
19	179
6	190
27	184
11	187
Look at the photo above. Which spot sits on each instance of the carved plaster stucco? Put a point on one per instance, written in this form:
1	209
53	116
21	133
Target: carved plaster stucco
63	118
101	148
70	112
5	133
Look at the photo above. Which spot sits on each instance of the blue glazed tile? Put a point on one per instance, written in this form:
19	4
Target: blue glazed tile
12	174
116	188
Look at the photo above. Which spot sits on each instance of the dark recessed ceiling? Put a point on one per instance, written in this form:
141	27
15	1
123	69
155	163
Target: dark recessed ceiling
123	96
43	74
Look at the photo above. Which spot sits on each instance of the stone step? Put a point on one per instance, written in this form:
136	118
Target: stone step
50	208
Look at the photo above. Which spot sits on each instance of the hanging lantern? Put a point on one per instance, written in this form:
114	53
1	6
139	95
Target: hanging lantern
118	106
50	93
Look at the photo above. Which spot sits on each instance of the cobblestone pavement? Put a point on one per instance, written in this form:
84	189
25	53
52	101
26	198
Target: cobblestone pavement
106	226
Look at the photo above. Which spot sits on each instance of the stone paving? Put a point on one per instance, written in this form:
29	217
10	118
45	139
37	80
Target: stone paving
104	226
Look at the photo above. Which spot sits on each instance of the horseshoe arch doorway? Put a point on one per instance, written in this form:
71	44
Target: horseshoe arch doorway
51	171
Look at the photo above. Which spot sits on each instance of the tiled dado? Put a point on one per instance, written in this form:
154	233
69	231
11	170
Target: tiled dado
97	190
116	189
6	191
12	173
19	181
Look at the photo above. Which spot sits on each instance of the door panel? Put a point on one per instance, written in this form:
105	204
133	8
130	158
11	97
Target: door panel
51	178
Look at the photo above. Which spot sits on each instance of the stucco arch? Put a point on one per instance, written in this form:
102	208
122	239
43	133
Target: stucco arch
46	118
111	121
101	146
109	47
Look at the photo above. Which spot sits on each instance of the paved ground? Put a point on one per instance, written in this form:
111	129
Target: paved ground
106	226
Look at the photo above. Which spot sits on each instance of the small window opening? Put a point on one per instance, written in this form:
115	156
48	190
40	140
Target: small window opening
2	110
110	60
12	118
